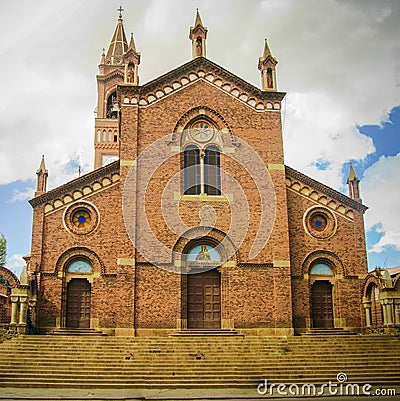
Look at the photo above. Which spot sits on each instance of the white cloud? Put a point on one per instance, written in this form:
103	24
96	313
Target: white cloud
15	263
337	61
326	134
380	191
19	196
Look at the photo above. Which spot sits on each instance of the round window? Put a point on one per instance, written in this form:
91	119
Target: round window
319	222
81	218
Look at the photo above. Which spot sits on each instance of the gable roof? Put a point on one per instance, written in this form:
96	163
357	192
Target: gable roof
337	197
201	68
87	180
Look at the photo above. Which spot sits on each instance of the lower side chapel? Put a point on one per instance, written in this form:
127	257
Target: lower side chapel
190	219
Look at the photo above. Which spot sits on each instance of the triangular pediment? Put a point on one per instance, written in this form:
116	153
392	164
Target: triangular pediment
79	188
202	69
322	194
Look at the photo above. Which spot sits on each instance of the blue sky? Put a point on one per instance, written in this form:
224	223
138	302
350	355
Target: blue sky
338	63
386	140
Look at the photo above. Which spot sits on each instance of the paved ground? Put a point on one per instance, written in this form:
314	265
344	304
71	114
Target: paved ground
169	395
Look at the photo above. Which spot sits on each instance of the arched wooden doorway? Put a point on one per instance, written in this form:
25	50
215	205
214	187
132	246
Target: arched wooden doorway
376	319
204	300
78	303
322	305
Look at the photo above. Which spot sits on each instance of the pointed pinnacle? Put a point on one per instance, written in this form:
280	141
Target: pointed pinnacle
198	18
352	174
267	51
132	44
42	167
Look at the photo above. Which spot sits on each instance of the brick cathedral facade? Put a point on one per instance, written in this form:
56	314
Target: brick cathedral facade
191	219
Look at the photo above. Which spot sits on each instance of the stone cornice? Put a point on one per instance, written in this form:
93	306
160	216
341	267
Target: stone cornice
293	175
76	184
112	74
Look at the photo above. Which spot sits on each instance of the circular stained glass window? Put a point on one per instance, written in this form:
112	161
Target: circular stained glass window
81	218
319	222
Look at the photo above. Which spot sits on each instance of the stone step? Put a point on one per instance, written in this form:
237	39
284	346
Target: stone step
329	332
203	368
206	333
78	332
181	382
193	361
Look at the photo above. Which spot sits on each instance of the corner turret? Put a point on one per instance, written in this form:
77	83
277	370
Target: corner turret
41	181
267	65
198	36
131	60
353	183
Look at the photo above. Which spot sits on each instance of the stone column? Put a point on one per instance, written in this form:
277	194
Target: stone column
389	311
367	307
14	311
202	177
385	320
33	311
23	310
397	311
368	315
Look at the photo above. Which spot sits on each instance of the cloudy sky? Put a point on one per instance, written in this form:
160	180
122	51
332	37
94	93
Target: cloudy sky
338	62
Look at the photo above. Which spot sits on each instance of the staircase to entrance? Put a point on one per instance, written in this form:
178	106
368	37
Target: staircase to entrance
196	361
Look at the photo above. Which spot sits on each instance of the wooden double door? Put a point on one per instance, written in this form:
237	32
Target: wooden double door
322	305
78	303
204	300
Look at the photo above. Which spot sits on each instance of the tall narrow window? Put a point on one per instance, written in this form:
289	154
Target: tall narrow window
191	171
270	81
112	109
212	177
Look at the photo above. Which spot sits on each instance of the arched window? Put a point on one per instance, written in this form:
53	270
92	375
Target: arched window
201	159
191	157
321	269
203	253
212	177
112	109
79	266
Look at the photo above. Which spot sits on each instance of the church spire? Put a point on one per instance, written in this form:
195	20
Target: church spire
266	64
41	181
198	36
353	183
119	44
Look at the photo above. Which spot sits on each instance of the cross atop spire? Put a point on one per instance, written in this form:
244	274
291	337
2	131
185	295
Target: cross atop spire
120	9
119	44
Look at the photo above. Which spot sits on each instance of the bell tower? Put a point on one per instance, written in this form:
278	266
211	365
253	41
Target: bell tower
198	36
118	66
267	64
